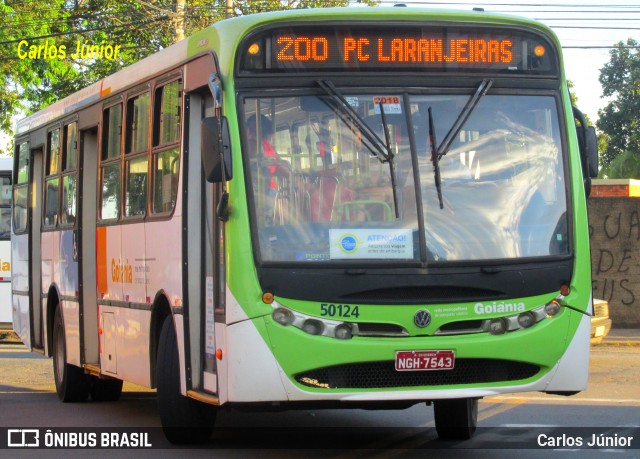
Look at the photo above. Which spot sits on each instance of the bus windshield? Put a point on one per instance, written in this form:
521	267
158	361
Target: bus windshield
321	192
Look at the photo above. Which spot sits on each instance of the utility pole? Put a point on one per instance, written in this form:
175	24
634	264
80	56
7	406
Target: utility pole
229	10
180	19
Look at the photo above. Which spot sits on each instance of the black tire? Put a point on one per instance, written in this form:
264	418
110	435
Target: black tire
456	419
72	385
183	419
106	390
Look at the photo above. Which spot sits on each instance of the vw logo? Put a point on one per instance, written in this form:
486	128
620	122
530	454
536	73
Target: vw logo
422	318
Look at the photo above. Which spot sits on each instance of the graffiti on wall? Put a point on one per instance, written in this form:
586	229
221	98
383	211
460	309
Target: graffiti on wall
614	231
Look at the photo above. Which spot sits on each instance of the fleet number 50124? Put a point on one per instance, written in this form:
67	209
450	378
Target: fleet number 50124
339	310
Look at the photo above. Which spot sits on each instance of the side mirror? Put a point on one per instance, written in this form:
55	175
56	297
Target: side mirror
215	148
588	145
591	148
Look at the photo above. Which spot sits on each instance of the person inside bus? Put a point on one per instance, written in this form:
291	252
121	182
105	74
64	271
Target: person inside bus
267	168
259	137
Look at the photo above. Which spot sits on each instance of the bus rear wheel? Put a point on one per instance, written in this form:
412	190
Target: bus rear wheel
183	419
456	419
72	384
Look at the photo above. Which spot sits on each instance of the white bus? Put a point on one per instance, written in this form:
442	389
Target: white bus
6	165
260	215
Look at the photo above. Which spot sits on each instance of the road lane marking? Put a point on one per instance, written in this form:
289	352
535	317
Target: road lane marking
500	407
410	440
484	412
566	400
27	391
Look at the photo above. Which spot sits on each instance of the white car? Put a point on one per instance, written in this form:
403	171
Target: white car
600	322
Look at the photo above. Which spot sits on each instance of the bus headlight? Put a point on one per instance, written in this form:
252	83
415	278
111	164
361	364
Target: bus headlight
313	327
343	331
526	320
552	308
283	316
497	326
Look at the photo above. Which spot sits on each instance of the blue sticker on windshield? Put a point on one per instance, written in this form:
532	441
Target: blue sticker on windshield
371	244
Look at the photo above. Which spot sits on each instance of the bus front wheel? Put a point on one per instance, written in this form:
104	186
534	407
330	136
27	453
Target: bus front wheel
71	382
456	419
183	419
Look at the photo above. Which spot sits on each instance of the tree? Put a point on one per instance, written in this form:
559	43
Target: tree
625	165
17	74
620	119
37	39
140	27
244	7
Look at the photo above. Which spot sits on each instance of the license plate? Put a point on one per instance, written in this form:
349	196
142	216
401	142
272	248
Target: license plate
425	360
600	331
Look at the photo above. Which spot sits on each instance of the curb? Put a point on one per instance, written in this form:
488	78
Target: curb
622	337
619	342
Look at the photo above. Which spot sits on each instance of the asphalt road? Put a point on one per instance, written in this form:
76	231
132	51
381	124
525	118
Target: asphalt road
521	425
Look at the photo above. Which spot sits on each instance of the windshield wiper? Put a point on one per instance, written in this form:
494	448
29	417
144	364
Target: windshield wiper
374	143
456	127
379	148
391	156
435	159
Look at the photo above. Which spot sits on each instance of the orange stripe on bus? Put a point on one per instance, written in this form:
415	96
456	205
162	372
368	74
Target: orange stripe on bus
101	260
104	91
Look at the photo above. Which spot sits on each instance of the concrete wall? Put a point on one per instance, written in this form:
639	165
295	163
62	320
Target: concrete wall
614	230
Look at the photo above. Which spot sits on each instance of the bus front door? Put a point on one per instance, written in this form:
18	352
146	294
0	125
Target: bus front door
35	264
88	268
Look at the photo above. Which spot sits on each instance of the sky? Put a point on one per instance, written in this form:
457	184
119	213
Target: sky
587	30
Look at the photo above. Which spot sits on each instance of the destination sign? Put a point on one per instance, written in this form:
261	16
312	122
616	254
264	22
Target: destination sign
397	48
394	50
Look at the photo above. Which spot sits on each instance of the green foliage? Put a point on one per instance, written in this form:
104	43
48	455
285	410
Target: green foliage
603	141
140	27
18	73
572	95
29	82
623	166
620	119
245	7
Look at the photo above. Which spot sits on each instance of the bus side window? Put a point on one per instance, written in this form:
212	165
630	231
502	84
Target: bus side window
110	163
167	114
165	177
136	155
137	128
5	207
52	181
165	153
21	180
69	179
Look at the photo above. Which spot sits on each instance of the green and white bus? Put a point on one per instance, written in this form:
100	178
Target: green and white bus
356	207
